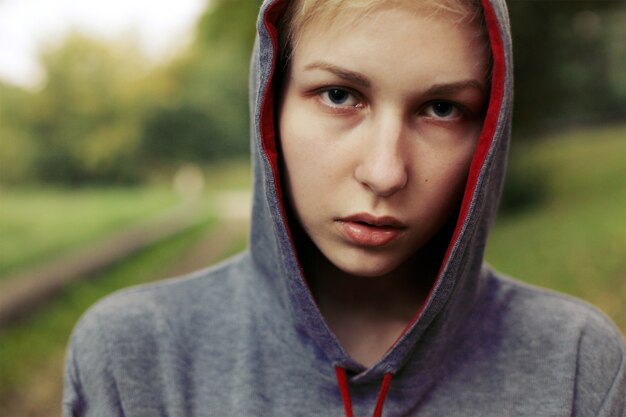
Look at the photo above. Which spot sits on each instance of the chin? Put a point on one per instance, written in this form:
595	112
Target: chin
367	268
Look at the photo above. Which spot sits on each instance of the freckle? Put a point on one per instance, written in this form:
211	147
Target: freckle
426	180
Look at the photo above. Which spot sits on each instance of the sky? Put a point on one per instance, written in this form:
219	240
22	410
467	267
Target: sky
161	26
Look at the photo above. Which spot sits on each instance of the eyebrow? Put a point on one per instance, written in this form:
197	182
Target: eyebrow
340	72
454	87
436	89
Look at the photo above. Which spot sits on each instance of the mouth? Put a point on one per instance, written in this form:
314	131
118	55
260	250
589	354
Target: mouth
367	230
375	221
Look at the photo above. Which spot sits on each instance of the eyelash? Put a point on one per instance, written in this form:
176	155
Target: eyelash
459	110
339	107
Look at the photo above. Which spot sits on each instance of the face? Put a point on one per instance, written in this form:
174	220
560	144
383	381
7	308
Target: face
378	125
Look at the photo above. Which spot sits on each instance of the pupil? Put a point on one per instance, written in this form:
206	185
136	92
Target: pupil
442	108
337	96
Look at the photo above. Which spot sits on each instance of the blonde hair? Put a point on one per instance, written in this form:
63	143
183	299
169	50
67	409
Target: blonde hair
299	14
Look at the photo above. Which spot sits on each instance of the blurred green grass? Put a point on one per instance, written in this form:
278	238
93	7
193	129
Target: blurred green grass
38	224
575	240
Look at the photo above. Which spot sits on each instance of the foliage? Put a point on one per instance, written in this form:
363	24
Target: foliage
86	117
229	22
17	148
569	63
106	115
525	186
206	115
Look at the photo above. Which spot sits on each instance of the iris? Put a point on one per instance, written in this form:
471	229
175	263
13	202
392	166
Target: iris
338	96
442	108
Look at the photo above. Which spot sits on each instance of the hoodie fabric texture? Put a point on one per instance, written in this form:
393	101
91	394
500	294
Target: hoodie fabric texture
245	338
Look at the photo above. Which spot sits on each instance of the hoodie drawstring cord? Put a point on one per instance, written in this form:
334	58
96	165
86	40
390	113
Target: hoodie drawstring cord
342	380
382	395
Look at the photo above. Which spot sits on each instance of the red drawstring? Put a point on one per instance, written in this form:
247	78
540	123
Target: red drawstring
342	380
378	411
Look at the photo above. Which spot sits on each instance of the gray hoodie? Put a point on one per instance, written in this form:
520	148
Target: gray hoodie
246	338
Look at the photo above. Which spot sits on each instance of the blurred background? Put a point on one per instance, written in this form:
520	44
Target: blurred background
124	159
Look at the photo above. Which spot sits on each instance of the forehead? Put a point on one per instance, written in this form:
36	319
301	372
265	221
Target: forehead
300	13
401	41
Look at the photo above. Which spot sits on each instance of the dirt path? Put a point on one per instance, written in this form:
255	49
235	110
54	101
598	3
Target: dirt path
210	249
19	293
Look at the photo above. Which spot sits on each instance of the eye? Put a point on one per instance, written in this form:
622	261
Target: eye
339	97
443	110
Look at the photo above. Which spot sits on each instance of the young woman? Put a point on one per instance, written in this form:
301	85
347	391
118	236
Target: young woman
379	138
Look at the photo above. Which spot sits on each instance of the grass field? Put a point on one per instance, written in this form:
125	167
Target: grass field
575	240
38	224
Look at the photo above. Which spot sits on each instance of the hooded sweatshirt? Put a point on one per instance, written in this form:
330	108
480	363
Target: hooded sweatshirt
246	338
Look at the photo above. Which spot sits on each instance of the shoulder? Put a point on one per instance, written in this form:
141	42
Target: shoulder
124	344
539	309
570	336
136	309
136	325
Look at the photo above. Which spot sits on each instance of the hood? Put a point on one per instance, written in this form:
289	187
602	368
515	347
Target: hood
454	290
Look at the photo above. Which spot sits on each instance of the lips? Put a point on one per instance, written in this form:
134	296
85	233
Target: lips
368	230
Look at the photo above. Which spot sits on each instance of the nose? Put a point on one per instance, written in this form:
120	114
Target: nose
383	166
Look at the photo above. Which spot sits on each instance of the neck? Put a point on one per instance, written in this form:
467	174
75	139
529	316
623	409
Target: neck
368	314
397	294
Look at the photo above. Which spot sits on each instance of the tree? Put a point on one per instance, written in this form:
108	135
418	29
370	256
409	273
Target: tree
206	114
565	64
87	116
18	149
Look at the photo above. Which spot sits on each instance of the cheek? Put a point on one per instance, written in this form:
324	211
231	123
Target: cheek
458	170
300	160
312	153
445	181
